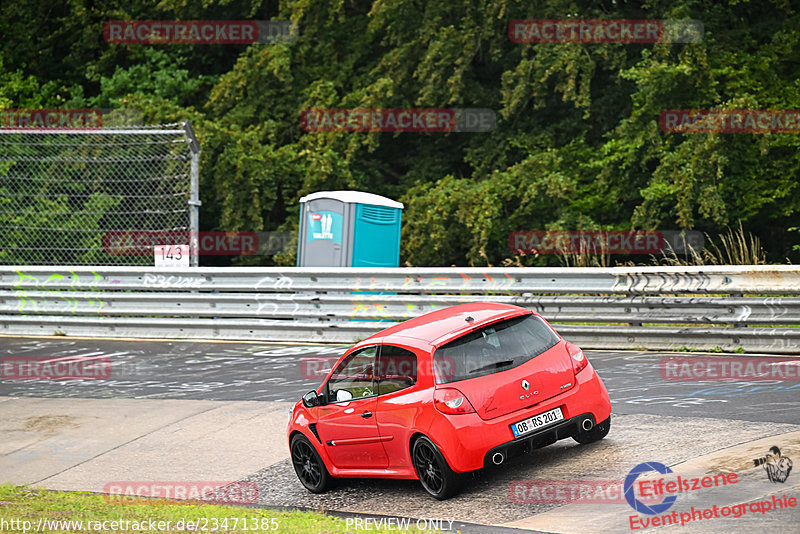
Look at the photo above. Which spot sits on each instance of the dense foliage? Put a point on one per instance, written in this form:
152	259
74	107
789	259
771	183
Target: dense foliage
577	143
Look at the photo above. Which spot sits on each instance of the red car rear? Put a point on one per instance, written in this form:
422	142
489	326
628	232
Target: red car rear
449	392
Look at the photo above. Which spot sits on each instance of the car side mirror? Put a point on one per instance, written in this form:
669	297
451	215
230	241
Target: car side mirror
311	399
343	395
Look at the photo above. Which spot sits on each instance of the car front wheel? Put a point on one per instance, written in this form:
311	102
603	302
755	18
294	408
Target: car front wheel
309	466
435	475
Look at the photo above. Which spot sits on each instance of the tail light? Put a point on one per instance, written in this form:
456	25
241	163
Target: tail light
451	401
579	361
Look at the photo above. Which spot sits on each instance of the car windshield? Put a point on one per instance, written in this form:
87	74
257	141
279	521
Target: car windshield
497	347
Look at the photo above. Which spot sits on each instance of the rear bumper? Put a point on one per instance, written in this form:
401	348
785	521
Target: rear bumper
535	440
466	441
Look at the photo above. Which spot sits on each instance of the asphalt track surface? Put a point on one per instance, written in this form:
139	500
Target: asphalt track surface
700	427
256	372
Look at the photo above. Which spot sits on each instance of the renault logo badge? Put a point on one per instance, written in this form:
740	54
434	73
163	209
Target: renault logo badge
525	385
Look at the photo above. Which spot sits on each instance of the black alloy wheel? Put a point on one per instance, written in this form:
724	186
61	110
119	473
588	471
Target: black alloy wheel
309	466
435	475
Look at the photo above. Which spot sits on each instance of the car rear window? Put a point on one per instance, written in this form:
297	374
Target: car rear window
493	348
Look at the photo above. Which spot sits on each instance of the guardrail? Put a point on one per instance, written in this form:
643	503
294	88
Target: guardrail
750	308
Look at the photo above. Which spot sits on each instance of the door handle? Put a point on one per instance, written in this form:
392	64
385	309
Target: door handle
366	414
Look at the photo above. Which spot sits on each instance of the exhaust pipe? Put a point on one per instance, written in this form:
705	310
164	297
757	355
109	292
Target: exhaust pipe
497	458
587	425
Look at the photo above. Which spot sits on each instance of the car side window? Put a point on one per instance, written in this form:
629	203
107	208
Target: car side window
397	369
354	377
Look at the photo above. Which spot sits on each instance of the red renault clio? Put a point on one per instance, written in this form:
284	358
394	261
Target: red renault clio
446	393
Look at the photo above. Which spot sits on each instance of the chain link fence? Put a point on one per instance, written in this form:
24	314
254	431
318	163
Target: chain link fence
64	192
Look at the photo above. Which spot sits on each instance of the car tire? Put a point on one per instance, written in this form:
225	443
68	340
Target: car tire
598	432
308	465
434	473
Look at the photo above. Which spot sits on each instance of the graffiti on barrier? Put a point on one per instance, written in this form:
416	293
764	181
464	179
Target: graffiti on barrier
58	295
161	281
440	284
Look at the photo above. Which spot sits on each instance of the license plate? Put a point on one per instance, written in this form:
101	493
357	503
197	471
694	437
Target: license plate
536	422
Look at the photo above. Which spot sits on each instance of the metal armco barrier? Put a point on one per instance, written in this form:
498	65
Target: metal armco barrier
750	308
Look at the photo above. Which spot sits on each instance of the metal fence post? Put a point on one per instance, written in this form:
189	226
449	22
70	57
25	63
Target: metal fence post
194	194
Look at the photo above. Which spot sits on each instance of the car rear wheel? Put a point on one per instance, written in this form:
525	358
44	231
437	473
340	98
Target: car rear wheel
598	432
309	466
435	475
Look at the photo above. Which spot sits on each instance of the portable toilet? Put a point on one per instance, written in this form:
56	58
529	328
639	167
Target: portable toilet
348	229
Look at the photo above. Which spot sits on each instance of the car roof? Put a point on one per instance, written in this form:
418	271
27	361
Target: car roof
436	328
